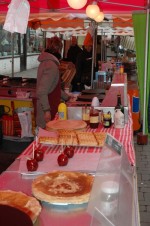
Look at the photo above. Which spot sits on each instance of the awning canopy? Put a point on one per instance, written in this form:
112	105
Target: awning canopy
108	7
53	15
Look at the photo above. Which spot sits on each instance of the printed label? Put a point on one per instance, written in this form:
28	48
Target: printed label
94	119
61	115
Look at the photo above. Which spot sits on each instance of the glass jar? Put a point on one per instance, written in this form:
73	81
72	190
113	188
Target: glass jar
107	120
86	114
94	118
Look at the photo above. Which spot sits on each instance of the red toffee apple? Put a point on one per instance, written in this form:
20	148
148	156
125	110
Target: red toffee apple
38	155
62	160
32	164
69	151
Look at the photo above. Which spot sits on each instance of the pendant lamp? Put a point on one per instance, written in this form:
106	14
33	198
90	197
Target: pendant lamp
77	4
92	10
100	17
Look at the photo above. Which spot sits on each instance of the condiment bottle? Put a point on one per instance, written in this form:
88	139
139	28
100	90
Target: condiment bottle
119	120
121	69
94	118
107	120
62	111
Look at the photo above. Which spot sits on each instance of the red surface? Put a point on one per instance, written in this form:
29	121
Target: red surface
113	6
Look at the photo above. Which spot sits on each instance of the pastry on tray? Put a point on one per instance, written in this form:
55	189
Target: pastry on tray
67	140
100	137
21	201
86	139
63	187
48	140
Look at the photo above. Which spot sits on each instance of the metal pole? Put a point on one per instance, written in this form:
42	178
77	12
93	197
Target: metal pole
12	53
93	53
146	62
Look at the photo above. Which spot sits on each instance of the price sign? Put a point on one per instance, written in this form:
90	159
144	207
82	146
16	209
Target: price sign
113	143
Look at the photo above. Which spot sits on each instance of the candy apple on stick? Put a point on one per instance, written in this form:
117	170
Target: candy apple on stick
62	158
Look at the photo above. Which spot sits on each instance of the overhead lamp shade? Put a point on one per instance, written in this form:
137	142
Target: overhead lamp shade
92	11
100	17
77	4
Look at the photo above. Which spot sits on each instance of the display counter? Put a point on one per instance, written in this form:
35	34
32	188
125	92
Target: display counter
86	159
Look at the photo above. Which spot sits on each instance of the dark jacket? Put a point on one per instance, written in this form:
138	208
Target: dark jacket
84	67
73	52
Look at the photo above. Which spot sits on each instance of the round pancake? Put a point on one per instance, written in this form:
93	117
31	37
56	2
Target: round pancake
66	124
63	187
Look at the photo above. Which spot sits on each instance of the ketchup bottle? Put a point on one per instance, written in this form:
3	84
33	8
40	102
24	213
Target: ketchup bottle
94	118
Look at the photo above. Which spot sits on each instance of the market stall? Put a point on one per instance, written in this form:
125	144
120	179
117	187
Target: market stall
116	148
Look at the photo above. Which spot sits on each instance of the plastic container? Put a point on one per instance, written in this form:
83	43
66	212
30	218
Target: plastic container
109	197
62	111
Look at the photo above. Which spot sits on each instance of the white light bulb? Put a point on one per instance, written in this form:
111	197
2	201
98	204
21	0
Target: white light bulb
100	17
77	4
92	11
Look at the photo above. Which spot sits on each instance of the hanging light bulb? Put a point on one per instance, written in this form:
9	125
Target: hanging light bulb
100	17
92	10
77	4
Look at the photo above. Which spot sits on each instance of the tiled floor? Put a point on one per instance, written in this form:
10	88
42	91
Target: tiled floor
142	153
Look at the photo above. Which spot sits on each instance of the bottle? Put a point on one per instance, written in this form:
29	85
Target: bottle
107	120
94	118
119	104
121	69
119	120
62	111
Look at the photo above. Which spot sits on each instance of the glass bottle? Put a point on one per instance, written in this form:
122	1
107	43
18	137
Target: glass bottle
119	119
94	118
119	104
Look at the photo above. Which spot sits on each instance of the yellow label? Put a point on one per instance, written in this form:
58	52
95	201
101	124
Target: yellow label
94	119
85	117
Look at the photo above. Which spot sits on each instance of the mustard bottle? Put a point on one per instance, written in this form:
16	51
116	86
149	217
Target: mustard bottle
62	111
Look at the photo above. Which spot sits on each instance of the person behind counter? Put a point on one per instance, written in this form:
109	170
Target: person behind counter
83	65
48	88
73	51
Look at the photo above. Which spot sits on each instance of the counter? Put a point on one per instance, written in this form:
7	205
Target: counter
85	158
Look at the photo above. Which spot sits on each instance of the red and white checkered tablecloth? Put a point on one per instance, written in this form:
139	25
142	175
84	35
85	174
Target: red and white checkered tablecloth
83	155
